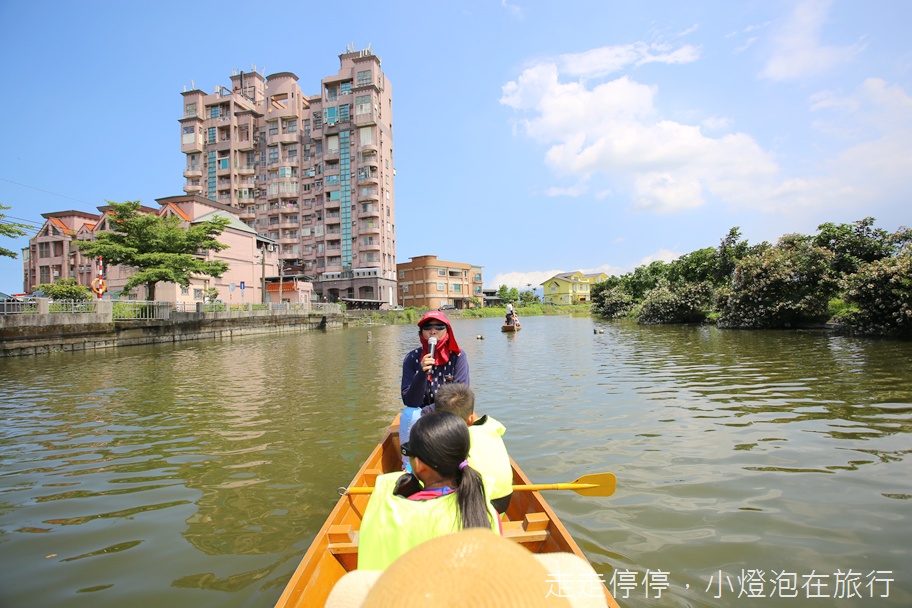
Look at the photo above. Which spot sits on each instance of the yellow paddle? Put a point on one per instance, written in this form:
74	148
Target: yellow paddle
594	484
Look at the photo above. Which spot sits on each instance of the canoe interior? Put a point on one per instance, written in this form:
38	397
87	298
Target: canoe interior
515	327
322	566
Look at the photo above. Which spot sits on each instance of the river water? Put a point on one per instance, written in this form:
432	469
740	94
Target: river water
754	468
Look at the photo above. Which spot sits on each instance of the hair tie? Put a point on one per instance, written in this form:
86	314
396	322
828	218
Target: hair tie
463	464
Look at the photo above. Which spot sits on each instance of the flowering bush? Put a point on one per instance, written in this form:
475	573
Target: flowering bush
786	284
683	303
612	303
881	296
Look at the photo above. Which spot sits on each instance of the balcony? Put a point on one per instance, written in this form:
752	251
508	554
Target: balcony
284	138
371	195
365	213
374	245
197	189
193	172
362	120
194	146
246	169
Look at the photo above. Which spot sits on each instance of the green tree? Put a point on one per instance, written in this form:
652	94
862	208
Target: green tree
880	294
694	267
729	253
10	229
610	301
508	294
65	289
854	244
676	303
786	284
157	247
527	298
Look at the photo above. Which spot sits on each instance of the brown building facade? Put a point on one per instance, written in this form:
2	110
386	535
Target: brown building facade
426	282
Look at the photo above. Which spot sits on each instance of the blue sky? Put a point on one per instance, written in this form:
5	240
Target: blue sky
530	137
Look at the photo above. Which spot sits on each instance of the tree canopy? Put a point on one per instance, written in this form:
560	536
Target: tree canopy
65	289
10	229
159	248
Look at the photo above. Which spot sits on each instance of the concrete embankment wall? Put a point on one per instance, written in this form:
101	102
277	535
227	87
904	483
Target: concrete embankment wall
36	334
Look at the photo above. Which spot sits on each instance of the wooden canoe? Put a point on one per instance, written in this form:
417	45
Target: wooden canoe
513	327
334	550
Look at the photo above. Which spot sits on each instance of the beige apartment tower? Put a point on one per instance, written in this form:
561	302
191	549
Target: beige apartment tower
314	173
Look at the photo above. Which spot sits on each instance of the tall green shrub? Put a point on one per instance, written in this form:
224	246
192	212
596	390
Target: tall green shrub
881	293
786	284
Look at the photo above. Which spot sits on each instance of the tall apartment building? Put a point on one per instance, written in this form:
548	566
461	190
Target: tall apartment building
315	173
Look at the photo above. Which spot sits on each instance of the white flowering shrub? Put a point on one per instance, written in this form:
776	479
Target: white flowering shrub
881	296
783	285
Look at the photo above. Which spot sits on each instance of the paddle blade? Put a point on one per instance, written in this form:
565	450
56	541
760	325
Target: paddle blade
603	484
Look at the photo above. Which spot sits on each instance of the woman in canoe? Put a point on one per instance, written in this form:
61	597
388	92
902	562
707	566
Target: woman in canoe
423	373
403	513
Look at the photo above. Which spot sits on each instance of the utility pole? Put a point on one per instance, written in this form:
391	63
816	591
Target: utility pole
281	277
263	274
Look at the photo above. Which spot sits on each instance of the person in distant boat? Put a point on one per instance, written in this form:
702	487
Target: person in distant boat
511	315
445	494
423	374
488	454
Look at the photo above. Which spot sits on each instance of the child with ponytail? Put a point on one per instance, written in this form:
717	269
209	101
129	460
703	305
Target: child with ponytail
442	495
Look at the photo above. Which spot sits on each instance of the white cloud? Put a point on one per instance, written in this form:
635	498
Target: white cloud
611	59
514	9
797	49
613	129
520	280
573	191
663	255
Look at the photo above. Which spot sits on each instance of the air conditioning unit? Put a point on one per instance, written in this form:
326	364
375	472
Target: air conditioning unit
270	248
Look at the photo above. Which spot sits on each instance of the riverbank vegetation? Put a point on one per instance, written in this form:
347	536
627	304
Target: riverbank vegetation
855	275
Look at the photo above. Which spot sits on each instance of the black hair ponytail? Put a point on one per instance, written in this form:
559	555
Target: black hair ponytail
441	440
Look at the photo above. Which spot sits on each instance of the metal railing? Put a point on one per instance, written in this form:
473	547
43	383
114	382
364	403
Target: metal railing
15	307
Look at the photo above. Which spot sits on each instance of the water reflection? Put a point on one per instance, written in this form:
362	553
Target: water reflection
197	474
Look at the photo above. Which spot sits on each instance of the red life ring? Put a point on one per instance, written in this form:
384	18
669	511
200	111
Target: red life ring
99	286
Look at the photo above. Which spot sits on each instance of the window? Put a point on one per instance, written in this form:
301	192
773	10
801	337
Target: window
273	154
345	88
44	251
185	291
197	294
291	126
44	274
190	109
364	78
332	144
211	136
331	115
274	128
404	288
441	272
366	136
224	163
401	274
441	286
213	112
457	287
362	104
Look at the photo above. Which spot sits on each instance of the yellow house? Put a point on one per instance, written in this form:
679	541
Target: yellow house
570	287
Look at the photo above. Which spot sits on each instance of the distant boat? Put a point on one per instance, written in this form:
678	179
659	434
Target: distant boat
508	327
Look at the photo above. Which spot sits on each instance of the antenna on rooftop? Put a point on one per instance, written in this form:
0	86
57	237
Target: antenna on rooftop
350	47
192	85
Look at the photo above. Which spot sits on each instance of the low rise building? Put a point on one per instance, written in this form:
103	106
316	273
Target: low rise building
570	287
426	282
253	260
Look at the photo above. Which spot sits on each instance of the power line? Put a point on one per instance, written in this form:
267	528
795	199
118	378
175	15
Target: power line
78	200
22	219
